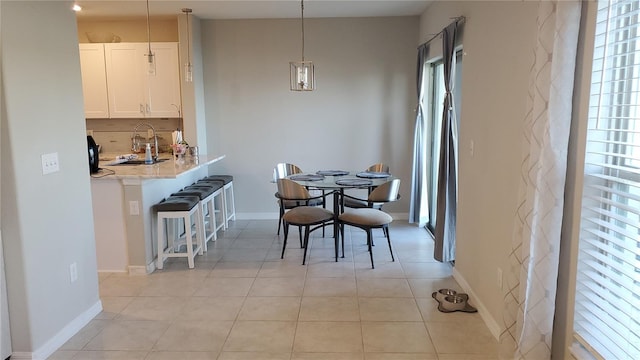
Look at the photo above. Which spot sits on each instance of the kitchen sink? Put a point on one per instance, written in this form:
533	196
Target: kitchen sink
139	162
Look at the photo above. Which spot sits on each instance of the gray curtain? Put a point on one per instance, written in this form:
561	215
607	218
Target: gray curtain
419	210
445	231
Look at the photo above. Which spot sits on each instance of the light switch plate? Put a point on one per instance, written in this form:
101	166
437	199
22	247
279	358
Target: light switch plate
73	272
134	208
50	163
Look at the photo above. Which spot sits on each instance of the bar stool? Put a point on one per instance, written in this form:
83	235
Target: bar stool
178	208
221	209
229	199
207	195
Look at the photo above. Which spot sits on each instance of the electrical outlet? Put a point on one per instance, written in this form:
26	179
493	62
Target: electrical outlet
50	163
90	132
73	272
134	208
149	134
499	278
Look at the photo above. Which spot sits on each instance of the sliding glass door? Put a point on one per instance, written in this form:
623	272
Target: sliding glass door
433	87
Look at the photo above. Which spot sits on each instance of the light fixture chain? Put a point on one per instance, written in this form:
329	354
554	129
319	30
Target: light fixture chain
302	18
188	40
188	71
148	29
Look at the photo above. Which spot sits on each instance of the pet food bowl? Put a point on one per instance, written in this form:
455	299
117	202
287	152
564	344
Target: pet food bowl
442	293
454	302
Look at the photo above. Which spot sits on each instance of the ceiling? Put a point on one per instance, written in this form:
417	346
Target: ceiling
246	9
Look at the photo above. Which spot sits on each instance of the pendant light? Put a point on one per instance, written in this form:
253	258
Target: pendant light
151	58
188	68
301	74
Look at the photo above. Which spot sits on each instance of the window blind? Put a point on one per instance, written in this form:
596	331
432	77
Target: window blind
607	308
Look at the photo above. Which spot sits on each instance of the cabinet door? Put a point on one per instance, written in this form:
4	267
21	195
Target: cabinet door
125	78
94	81
163	90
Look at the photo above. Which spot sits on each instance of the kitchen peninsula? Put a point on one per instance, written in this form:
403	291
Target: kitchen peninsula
123	197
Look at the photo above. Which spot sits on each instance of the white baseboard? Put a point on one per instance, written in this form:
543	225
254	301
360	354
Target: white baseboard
62	336
257	216
112	271
274	216
492	324
142	270
21	355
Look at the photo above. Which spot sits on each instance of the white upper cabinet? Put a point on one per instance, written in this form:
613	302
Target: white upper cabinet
163	90
132	91
94	81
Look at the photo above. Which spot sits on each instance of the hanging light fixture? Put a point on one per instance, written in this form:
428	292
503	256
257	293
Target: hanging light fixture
151	58
188	68
301	76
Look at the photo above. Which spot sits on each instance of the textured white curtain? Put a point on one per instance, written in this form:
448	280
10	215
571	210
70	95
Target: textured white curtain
531	281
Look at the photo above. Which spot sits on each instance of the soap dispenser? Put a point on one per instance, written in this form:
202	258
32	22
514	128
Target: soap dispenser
147	155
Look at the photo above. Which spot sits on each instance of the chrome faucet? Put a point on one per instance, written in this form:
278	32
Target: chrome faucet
134	146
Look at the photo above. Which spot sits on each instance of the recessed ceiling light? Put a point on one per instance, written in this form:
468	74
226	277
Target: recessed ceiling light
76	7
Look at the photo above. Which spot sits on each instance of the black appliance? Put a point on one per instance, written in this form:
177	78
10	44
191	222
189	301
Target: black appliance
93	155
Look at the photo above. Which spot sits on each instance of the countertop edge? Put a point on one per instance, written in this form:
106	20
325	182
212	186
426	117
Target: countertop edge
165	170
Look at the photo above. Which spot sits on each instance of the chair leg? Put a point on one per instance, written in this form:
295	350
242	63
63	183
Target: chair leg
286	234
324	206
161	236
369	244
284	244
280	219
300	235
306	243
187	225
336	241
386	232
342	235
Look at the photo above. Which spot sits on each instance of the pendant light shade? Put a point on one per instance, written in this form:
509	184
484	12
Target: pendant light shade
188	68
151	58
302	76
301	73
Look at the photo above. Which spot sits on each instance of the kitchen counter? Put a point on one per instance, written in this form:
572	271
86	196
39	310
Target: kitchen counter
168	169
123	197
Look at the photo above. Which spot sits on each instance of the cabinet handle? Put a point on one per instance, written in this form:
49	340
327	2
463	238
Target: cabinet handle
148	108
141	109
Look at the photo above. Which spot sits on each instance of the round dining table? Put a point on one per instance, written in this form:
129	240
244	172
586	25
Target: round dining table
338	181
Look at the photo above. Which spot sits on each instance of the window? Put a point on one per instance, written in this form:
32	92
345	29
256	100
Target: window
607	309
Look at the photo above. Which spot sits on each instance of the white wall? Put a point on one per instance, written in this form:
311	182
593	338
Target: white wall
131	29
47	219
498	45
361	113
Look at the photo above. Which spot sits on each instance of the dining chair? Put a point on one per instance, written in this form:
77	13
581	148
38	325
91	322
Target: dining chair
354	202
370	218
283	170
280	171
305	215
379	167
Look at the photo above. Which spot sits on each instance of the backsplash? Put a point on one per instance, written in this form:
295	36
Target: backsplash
114	135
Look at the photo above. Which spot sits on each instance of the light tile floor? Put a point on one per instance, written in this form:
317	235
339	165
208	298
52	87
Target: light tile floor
243	302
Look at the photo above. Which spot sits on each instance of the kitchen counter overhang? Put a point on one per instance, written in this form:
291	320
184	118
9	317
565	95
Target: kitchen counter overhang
170	168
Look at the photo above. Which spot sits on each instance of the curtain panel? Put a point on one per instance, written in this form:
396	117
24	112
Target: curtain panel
418	209
445	231
531	282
